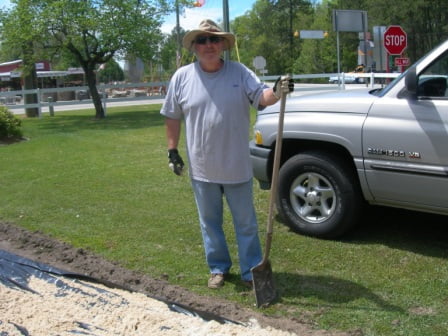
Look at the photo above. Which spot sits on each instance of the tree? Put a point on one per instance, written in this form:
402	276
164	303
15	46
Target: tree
267	30
93	31
425	21
20	40
168	50
317	55
256	35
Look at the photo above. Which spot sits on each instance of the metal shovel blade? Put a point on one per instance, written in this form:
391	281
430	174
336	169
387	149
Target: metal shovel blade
265	292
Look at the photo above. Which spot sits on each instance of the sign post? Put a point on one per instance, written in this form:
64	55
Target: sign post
259	63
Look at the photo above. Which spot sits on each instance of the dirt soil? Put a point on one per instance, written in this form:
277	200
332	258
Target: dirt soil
41	248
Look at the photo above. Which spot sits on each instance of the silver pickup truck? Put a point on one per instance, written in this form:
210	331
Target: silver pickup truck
345	149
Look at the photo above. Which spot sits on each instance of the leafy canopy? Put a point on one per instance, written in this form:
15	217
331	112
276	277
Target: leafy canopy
93	31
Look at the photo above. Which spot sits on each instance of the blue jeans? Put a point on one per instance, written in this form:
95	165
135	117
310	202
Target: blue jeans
209	201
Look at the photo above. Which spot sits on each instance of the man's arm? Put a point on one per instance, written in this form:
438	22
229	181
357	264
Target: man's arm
175	161
173	127
268	98
271	96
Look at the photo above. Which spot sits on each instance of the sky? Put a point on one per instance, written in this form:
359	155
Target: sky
212	9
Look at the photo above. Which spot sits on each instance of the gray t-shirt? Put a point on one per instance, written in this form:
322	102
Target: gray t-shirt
215	107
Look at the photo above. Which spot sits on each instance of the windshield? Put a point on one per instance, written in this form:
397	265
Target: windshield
384	91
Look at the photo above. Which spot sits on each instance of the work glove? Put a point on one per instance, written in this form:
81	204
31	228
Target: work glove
175	162
278	87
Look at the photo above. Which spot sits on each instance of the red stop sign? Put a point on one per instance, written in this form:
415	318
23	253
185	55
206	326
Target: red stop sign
395	40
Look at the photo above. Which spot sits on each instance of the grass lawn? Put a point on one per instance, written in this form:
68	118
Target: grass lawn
104	185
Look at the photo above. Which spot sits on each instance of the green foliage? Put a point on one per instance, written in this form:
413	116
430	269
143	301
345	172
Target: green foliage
92	31
10	125
267	30
424	21
169	50
317	56
95	31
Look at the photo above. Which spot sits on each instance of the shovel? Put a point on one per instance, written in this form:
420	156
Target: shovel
265	292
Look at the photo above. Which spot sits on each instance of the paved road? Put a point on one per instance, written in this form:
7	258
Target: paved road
300	89
88	105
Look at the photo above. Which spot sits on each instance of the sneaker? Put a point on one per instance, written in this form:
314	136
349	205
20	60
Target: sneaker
216	280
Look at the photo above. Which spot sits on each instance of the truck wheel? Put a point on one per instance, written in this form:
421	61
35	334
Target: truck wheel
318	195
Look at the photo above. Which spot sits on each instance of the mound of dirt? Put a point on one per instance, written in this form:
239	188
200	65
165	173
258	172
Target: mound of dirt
41	248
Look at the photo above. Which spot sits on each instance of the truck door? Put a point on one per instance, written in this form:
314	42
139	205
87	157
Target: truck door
405	144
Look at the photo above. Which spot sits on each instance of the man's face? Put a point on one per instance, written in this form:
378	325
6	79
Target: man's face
208	47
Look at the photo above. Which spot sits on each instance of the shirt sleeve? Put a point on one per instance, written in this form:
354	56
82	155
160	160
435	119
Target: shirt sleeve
171	108
254	88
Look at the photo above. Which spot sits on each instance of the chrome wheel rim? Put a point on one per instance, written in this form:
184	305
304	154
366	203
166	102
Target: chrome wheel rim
313	197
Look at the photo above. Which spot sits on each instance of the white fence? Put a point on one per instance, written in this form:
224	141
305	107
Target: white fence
76	95
53	97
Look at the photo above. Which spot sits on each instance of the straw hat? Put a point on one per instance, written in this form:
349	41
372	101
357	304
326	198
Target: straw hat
208	27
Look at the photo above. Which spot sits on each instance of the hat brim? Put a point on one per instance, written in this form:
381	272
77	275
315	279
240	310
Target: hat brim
187	42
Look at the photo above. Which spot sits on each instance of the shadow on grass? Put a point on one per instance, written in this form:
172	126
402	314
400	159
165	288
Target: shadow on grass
329	289
122	120
333	291
423	233
418	232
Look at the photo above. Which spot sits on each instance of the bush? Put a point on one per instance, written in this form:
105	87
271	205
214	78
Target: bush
9	125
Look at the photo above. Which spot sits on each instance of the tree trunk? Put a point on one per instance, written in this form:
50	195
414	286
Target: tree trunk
96	98
30	83
29	79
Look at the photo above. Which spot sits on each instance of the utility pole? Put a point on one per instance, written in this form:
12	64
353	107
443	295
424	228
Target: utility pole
179	48
225	16
291	34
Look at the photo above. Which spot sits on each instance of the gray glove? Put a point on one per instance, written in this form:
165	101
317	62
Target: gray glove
278	86
175	162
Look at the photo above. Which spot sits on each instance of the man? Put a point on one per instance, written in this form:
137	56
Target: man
214	96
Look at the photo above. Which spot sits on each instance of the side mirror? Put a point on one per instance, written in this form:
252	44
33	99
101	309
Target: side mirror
411	81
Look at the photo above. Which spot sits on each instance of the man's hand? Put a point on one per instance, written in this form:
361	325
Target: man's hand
175	161
278	87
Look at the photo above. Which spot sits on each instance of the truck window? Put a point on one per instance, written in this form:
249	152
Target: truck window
433	80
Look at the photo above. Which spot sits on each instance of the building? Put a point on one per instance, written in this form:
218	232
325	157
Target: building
11	76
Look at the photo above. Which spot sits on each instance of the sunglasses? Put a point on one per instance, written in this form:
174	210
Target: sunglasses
212	39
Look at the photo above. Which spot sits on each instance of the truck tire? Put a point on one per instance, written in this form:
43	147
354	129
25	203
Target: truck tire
318	195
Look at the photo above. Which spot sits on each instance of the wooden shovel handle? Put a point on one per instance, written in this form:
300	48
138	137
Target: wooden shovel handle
275	170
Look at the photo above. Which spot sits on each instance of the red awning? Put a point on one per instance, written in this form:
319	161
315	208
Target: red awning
10	66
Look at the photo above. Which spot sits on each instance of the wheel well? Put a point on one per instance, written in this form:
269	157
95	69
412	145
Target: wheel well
291	147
